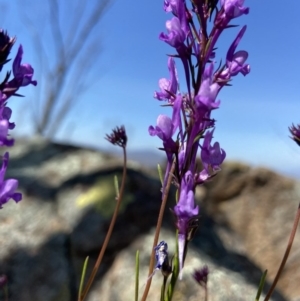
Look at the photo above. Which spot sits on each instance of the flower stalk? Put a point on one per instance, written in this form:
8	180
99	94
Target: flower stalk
119	138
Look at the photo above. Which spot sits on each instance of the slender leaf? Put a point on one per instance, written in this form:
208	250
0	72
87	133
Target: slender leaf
160	174
83	277
261	285
116	182
137	272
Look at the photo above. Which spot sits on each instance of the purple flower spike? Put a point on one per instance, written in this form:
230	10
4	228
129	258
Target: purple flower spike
185	211
22	72
22	76
212	156
168	87
193	31
9	186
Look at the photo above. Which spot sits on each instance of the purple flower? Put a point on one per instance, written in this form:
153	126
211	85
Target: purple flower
162	258
166	127
22	76
5	125
176	35
6	114
171	6
168	87
9	186
4	141
212	156
177	27
205	100
234	8
235	61
185	211
22	72
230	9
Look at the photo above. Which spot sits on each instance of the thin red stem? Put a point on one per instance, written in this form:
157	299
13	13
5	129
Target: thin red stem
109	232
286	254
157	230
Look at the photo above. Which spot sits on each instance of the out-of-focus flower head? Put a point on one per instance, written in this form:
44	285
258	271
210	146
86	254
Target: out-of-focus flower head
295	131
201	275
118	136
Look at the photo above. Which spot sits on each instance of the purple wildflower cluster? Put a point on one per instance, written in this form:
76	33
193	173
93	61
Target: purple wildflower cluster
191	128
21	77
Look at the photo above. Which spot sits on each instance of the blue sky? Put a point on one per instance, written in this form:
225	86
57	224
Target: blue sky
254	114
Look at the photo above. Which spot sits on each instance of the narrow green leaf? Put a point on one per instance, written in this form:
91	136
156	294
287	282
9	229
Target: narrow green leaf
160	174
137	272
83	277
261	285
116	186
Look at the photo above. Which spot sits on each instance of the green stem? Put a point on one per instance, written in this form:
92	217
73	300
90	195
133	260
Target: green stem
163	288
175	273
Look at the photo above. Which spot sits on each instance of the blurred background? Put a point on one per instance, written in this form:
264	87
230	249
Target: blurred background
98	63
